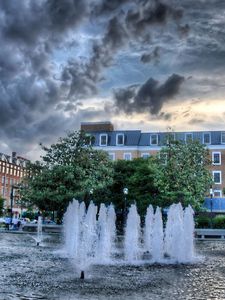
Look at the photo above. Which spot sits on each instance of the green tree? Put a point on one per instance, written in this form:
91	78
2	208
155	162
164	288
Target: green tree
1	205
138	176
183	173
70	168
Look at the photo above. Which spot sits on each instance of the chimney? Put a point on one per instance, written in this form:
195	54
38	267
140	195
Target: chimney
96	126
14	157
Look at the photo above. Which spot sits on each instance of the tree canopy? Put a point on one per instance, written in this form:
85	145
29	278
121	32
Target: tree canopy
183	173
70	168
178	173
1	205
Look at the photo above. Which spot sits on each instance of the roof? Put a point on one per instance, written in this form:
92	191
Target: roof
138	138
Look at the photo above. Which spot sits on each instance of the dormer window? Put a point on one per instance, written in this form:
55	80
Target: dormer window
206	138
120	139
103	139
89	140
223	137
154	139
188	137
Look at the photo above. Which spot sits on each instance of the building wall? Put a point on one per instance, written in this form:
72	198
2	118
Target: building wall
12	171
136	144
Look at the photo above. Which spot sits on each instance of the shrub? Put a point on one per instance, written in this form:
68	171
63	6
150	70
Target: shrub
219	221
203	222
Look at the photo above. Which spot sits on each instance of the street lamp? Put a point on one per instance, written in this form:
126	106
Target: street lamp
211	204
125	192
91	192
13	187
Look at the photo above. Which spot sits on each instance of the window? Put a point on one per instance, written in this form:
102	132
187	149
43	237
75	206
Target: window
127	156
6	180
217	193
3	179
89	140
154	139
188	137
103	139
216	158
223	137
120	139
217	177
92	140
170	137
112	156
163	158
11	181
206	138
145	155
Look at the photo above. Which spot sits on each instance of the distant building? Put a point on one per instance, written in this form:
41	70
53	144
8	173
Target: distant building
12	170
129	144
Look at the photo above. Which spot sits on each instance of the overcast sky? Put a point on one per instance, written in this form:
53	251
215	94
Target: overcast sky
141	64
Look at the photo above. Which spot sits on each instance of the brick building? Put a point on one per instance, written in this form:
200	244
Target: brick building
129	144
12	170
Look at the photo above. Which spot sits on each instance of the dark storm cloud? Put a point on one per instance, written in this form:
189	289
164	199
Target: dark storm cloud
154	55
66	13
148	97
107	7
122	28
35	88
29	31
148	14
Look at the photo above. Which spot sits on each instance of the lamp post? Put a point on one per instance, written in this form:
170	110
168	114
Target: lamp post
11	205
211	204
125	192
91	192
13	187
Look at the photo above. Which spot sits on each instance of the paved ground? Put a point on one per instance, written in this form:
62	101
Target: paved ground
31	272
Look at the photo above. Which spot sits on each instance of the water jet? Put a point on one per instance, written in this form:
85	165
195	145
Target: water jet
90	238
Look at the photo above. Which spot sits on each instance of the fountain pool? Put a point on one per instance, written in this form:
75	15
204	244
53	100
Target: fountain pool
31	272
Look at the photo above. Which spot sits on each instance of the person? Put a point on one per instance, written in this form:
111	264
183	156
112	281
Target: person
7	222
18	224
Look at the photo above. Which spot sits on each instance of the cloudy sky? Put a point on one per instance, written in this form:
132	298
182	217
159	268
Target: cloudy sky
141	64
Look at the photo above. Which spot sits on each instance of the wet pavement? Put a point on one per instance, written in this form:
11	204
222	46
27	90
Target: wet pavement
31	272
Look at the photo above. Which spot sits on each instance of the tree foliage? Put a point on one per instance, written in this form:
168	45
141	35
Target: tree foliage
1	205
138	176
183	173
179	173
70	168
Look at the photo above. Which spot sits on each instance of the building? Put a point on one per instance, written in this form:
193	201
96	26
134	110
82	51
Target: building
129	144
12	170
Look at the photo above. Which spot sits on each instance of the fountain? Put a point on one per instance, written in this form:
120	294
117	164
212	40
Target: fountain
90	237
153	261
39	231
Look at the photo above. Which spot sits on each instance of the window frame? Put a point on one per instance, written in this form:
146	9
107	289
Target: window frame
217	191
220	172
113	154
127	153
117	135
221	137
157	139
145	154
203	138
213	153
100	139
186	134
